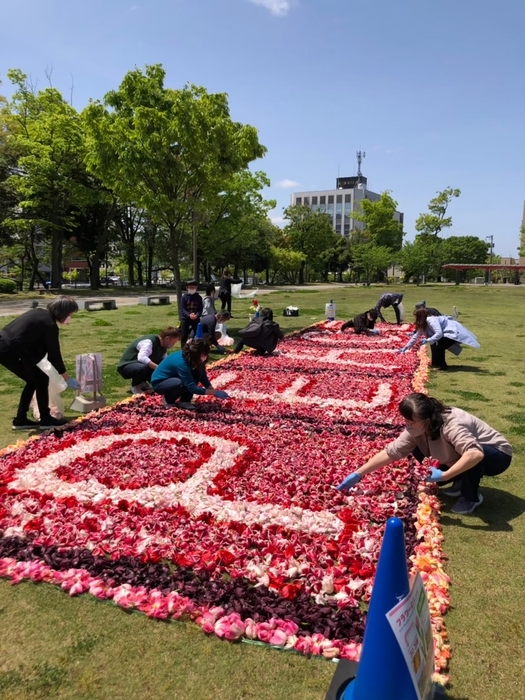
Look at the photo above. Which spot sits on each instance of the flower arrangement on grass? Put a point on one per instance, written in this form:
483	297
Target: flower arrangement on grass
229	516
255	306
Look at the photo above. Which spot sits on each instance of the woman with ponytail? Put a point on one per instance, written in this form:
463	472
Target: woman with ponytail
465	447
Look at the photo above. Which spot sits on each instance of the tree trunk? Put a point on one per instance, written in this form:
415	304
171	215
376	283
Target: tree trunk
301	273
174	254
56	259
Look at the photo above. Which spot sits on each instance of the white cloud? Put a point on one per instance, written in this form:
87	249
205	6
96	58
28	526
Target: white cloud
287	184
277	220
276	7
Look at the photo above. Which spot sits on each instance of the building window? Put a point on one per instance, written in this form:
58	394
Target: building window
298	200
306	201
322	200
314	200
339	198
330	199
338	228
348	198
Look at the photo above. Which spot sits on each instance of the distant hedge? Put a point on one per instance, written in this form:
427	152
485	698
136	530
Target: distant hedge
7	286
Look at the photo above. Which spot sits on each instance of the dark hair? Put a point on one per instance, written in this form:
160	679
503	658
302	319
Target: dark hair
62	307
421	319
423	407
193	350
267	314
170	332
373	313
192	283
225	272
210	289
224	315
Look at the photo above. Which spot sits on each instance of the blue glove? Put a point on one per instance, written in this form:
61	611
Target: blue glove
72	383
220	350
435	475
350	481
424	342
375	331
402	351
221	394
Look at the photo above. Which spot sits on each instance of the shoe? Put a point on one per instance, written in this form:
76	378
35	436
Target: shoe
166	404
25	424
186	405
453	489
464	507
139	389
51	422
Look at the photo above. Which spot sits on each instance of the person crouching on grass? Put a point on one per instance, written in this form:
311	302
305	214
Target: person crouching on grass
143	355
183	374
466	448
363	323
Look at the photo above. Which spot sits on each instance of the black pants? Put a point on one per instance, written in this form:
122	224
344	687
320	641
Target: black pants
186	325
138	372
397	313
437	351
226	301
36	382
493	463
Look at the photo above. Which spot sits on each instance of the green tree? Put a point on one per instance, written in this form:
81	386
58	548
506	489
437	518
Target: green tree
421	258
47	134
286	264
310	233
433	222
464	249
371	259
166	150
337	259
380	227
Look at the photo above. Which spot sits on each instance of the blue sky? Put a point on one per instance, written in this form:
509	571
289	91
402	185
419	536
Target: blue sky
432	91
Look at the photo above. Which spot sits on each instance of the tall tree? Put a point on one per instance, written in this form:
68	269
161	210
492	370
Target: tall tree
433	222
380	227
48	136
167	150
371	259
310	233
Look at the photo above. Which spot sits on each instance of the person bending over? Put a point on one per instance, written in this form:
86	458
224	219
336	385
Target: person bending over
392	299
209	329
363	323
466	448
430	309
183	374
262	334
143	355
23	343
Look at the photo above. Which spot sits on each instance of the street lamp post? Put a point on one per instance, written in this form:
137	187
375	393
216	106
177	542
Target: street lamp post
489	272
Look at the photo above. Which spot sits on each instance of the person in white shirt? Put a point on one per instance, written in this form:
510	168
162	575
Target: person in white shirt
143	355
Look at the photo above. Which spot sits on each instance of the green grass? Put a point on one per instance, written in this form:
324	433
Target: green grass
54	646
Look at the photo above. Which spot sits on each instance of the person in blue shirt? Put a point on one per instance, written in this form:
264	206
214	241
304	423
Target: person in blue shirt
392	299
182	374
191	311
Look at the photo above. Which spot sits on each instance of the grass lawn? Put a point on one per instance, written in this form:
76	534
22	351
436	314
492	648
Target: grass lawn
54	646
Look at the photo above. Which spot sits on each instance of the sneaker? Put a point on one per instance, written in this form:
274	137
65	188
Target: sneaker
49	423
464	507
25	424
453	489
166	404
186	405
139	389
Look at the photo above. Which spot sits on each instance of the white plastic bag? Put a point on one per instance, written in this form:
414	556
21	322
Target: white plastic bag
57	384
401	311
225	339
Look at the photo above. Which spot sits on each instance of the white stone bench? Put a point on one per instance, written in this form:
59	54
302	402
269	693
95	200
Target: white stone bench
97	304
155	300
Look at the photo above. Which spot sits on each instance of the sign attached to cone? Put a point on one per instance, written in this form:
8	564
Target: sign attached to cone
397	658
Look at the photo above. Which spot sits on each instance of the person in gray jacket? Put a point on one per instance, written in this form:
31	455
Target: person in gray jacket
466	448
441	333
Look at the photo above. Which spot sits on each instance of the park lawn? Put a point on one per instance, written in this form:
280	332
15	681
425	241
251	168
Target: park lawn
54	646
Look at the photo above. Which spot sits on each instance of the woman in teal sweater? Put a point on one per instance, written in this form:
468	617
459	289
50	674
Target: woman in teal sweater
183	374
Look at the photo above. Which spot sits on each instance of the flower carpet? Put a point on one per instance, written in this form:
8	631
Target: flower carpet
229	515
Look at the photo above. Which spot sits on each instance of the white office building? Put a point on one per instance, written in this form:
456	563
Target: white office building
341	202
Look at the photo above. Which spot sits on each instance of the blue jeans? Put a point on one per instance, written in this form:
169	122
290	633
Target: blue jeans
138	372
493	463
172	389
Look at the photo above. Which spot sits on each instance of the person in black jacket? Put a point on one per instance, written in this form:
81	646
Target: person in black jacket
225	290
431	311
261	333
363	323
209	326
23	343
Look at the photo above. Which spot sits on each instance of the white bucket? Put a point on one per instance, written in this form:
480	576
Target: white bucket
329	311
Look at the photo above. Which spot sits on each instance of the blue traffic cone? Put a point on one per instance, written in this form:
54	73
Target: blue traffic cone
382	673
198	334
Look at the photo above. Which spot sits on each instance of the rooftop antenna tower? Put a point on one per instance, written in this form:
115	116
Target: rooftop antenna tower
360	157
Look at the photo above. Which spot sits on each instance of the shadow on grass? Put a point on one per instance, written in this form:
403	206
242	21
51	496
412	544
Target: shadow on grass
498	509
467	368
